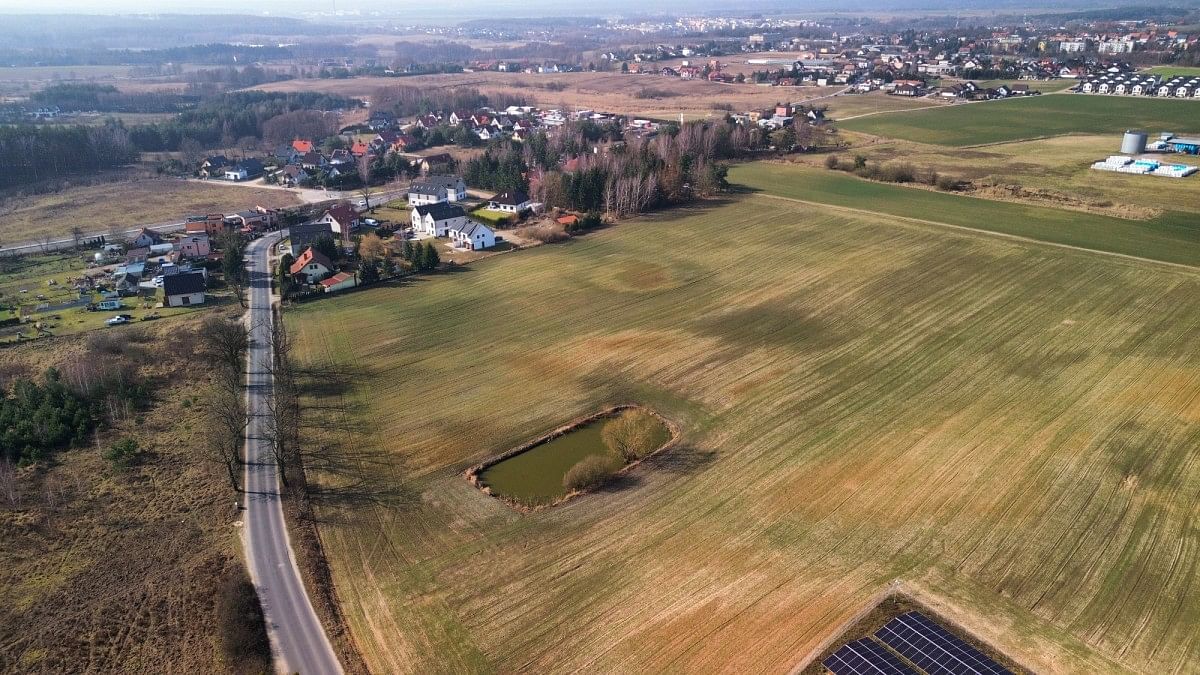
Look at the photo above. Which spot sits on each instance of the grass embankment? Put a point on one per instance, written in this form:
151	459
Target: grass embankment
1172	71
1032	117
1173	237
1008	427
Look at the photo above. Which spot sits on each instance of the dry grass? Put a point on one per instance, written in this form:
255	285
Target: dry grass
859	400
104	570
1059	166
126	205
611	92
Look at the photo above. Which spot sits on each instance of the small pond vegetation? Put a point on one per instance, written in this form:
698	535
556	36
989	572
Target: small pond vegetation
572	459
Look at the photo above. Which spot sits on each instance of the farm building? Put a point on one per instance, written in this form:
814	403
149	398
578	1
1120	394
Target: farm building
339	282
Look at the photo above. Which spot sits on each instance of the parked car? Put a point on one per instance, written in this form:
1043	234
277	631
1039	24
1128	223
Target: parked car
119	320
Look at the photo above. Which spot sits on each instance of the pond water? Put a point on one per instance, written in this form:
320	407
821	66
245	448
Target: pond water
536	476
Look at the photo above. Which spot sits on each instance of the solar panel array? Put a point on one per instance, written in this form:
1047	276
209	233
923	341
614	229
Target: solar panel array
935	649
865	657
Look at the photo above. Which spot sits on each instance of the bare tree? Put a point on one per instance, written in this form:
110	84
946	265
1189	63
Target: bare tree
282	422
225	408
630	434
225	342
10	489
77	235
365	174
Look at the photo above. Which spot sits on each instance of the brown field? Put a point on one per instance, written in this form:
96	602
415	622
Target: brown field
96	208
115	571
610	92
1006	428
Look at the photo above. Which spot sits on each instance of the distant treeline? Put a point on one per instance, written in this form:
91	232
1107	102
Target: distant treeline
223	120
30	154
107	98
211	54
406	101
146	31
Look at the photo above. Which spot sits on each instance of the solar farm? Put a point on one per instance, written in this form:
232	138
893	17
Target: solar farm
911	644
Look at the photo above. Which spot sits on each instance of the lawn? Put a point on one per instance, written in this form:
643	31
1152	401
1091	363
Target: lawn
125	205
1005	427
1173	237
1172	71
1032	117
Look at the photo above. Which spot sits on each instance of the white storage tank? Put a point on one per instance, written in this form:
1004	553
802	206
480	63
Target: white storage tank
1134	142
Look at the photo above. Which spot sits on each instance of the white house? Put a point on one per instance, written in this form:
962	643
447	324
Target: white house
510	202
312	266
341	219
184	290
473	236
420	194
195	246
437	188
145	239
438	219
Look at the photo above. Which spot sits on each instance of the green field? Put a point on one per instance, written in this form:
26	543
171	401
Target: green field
1006	429
1172	71
1174	237
1033	117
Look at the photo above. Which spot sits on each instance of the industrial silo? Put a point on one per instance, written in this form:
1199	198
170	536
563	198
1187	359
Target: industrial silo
1134	142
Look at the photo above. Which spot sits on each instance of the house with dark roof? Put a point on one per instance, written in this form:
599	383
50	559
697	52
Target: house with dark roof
514	201
312	266
244	170
473	236
306	234
183	290
438	219
213	166
145	239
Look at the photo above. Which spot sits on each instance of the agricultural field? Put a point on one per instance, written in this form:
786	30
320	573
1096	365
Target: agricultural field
1172	237
1027	118
126	205
611	92
1058	166
850	106
1005	428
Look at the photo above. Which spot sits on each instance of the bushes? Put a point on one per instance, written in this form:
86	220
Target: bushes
588	473
631	434
123	453
946	183
651	92
242	628
547	233
833	162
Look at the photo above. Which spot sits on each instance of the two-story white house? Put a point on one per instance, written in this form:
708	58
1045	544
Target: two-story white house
473	236
438	219
437	188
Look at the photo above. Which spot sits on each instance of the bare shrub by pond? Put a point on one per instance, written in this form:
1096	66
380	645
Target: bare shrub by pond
632	434
588	473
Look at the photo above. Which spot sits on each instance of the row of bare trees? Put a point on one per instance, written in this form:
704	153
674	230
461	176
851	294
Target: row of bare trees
225	344
282	422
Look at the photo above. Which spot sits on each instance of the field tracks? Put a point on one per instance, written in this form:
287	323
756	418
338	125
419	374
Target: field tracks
1191	269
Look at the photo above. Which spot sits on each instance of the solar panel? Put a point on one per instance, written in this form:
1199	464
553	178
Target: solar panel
935	649
865	657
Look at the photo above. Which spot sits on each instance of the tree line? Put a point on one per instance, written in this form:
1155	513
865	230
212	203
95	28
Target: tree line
30	153
221	121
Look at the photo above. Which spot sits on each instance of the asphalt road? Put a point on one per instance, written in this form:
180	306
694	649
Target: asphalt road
298	640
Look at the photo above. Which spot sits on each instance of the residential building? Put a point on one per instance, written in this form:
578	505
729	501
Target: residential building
438	219
341	218
194	246
183	290
510	202
304	235
312	266
472	236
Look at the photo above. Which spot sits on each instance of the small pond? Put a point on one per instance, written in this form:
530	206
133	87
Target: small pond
535	476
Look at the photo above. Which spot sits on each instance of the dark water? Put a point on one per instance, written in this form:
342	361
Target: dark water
535	476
